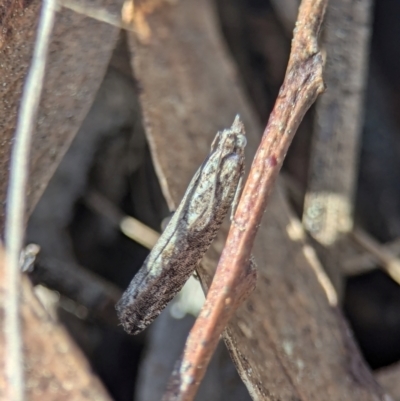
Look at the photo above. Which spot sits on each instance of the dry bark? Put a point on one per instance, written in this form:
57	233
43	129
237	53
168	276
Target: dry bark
287	340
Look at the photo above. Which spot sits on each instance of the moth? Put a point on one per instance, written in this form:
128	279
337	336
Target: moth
213	189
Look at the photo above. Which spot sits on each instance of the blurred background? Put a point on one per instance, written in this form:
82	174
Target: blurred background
108	173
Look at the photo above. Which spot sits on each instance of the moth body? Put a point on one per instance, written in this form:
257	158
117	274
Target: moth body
189	233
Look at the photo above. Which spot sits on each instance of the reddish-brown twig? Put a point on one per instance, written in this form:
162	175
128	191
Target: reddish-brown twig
303	83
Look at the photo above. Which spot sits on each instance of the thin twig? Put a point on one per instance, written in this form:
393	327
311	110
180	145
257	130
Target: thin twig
387	260
303	83
385	256
131	227
15	218
367	261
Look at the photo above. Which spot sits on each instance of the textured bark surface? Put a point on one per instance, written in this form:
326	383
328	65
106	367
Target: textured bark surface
288	342
77	62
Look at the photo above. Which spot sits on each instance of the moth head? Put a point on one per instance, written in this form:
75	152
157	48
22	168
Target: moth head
238	133
231	140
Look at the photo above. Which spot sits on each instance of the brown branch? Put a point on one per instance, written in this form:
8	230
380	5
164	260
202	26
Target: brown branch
303	83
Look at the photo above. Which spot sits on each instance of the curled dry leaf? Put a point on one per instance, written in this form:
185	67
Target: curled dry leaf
71	83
